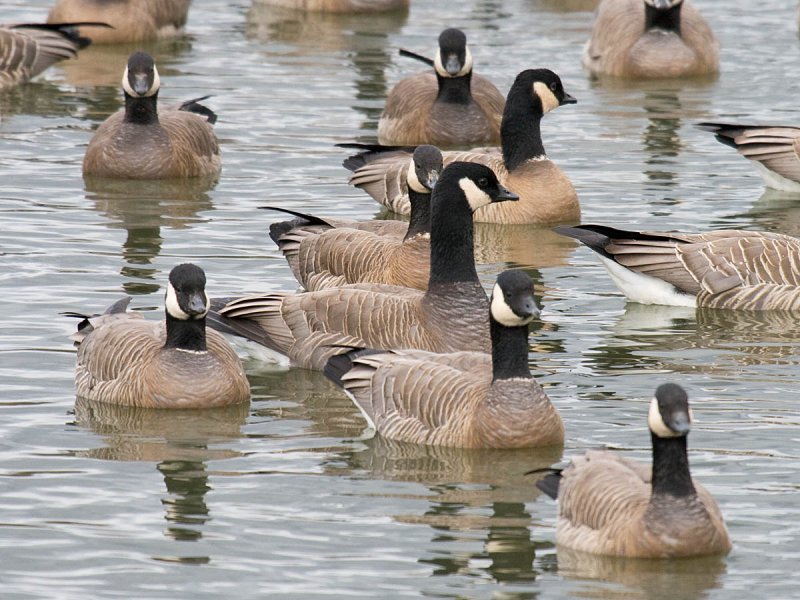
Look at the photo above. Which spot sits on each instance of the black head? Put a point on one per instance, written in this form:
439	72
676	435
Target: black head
186	293
140	78
541	84
663	4
512	301
477	184
670	415
424	170
453	58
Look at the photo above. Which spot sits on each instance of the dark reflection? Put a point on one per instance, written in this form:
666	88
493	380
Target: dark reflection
660	338
363	38
773	211
142	208
180	442
566	5
661	140
488	12
650	579
464	486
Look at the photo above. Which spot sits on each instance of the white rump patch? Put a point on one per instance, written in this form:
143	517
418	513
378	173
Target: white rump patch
476	197
657	425
172	306
502	312
776	181
548	98
646	289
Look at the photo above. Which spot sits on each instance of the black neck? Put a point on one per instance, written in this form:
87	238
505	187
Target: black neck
452	254
420	221
141	110
519	131
454	90
668	20
186	335
509	351
671	467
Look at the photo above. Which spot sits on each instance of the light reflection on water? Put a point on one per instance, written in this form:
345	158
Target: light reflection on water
289	495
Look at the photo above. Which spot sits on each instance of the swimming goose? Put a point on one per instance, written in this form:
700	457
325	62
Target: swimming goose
650	39
612	505
27	50
463	399
139	142
450	316
325	254
546	194
740	270
131	20
340	6
775	150
123	359
451	106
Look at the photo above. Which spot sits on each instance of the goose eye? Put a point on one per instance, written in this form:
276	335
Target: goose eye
553	86
483	182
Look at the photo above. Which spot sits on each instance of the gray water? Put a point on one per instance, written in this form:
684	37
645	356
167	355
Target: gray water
287	497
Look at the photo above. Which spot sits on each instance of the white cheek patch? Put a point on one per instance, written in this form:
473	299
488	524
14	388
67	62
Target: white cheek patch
126	85
467	63
413	181
547	97
156	83
172	306
476	197
437	64
656	422
501	311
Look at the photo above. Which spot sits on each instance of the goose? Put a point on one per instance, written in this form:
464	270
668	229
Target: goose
738	270
139	142
340	6
462	399
124	359
451	106
330	254
27	50
774	150
650	39
451	315
546	194
131	20
612	505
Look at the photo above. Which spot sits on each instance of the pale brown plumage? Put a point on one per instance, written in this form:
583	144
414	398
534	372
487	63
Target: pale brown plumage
621	46
340	6
775	150
546	193
140	142
739	270
27	50
131	20
611	505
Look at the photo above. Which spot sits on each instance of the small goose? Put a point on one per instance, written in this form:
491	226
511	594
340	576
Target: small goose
131	20
450	106
650	39
463	399
612	505
123	359
330	254
139	142
775	150
739	270
27	50
340	6
450	316
546	194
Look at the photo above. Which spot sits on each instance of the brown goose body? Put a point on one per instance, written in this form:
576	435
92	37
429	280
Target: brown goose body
27	50
546	193
139	142
611	505
739	270
451	315
775	150
449	106
461	399
123	359
622	45
341	6
131	20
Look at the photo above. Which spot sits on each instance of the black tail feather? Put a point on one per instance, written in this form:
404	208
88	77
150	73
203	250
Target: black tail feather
369	152
549	483
279	228
338	365
68	30
194	106
415	56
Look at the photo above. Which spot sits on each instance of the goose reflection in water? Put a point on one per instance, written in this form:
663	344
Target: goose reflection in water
180	444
